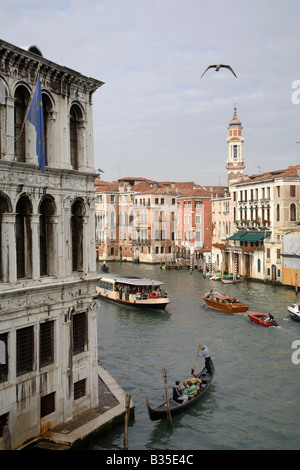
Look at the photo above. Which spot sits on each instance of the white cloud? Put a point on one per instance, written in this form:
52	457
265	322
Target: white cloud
154	116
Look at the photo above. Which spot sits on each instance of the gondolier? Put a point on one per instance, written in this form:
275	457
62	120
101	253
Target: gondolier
206	355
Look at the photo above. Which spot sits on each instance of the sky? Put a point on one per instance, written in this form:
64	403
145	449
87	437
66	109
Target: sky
155	117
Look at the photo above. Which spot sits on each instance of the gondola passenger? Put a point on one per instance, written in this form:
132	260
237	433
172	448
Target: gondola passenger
178	393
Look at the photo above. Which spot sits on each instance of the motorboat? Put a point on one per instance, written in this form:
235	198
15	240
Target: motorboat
294	311
224	303
261	319
133	291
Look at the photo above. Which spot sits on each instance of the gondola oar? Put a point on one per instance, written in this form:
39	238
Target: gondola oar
196	358
169	417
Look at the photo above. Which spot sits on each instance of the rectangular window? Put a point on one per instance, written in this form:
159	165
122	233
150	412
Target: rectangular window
3	422
46	343
3	357
79	389
79	332
25	350
292	191
47	404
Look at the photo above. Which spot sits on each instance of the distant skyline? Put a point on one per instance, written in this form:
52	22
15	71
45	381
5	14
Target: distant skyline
154	117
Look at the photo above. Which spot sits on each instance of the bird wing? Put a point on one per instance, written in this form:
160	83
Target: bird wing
209	67
229	68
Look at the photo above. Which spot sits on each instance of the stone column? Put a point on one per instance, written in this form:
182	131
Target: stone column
35	254
9	255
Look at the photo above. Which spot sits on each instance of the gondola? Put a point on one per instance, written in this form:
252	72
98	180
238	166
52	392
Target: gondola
175	407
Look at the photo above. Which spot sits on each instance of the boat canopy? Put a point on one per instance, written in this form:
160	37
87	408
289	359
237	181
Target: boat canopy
134	281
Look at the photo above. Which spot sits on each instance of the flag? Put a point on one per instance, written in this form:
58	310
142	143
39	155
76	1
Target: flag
36	117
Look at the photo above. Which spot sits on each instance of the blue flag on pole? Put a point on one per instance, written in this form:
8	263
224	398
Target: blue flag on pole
36	117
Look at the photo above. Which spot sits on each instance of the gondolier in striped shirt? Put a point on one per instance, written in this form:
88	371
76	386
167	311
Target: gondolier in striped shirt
206	355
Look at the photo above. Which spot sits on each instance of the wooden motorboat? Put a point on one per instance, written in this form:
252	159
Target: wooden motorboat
261	319
177	407
294	311
224	303
133	291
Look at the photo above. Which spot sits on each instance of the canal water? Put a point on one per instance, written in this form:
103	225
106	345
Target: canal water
253	402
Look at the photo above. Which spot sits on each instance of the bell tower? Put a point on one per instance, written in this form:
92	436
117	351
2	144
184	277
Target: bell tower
235	163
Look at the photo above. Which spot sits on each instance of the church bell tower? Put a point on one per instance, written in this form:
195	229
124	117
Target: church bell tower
235	163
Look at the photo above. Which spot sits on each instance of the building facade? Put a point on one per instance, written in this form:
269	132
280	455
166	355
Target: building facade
48	341
141	220
263	208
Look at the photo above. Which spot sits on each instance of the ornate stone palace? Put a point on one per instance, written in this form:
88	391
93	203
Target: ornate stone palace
48	341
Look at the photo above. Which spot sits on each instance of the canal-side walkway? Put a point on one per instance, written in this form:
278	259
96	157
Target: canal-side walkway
109	413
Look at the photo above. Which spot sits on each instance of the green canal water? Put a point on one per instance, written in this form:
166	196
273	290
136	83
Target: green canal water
253	402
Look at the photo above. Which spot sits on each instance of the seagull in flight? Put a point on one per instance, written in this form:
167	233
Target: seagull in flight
217	67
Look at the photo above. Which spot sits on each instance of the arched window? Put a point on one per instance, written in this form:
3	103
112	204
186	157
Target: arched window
21	100
75	118
23	238
47	108
77	235
258	265
46	233
293	212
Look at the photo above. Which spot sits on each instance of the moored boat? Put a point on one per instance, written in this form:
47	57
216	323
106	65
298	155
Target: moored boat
294	311
133	291
176	407
261	319
224	303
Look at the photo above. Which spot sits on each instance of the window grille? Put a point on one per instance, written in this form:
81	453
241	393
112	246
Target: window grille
25	350
79	332
79	389
47	404
46	343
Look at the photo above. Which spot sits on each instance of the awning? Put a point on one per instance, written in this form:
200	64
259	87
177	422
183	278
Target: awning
255	236
249	236
237	236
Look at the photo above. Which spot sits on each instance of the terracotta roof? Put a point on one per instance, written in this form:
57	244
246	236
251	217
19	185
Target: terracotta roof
291	171
102	186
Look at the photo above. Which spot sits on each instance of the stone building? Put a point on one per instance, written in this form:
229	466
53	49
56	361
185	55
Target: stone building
194	226
136	219
48	341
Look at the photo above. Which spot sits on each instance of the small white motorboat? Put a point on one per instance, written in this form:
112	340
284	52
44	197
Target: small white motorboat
294	311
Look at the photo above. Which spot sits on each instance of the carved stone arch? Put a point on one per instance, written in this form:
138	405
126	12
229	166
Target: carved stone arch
48	202
5	203
4	86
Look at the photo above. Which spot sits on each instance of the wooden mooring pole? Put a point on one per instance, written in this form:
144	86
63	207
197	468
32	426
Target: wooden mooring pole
296	283
169	417
127	413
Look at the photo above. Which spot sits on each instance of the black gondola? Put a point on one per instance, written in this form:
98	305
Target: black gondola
177	407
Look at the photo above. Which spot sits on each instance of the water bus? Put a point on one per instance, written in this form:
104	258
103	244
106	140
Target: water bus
133	291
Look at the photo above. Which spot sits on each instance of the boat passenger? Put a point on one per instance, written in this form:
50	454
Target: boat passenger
191	391
178	394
